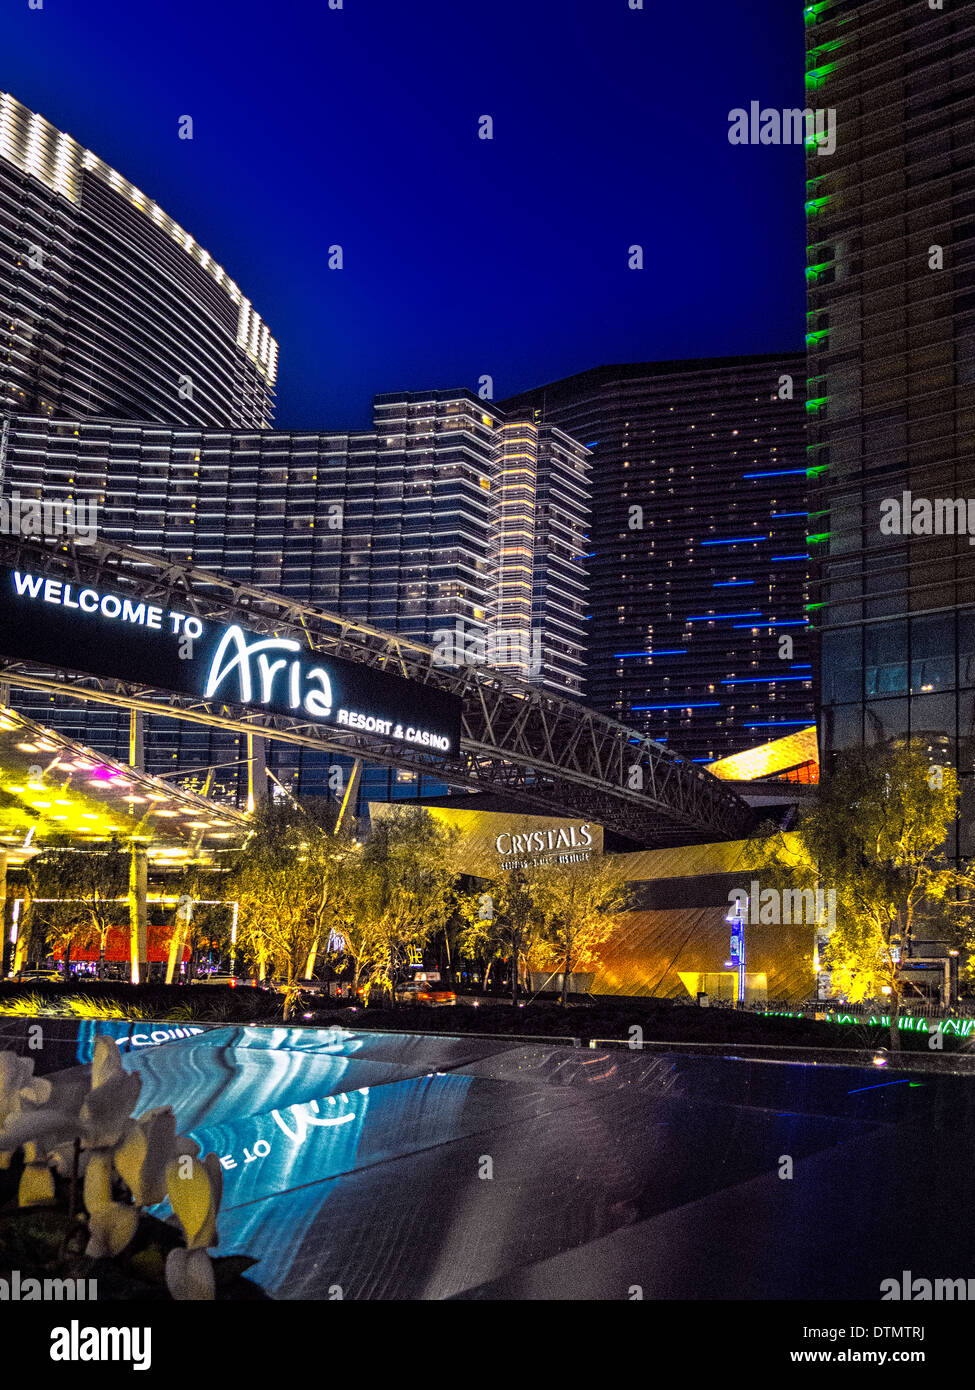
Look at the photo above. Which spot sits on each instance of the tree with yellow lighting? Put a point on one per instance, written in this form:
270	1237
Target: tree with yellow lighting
289	878
510	926
580	906
876	834
404	890
77	897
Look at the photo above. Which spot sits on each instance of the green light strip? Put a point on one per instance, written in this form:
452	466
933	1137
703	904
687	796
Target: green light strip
814	339
815	76
812	12
830	46
815	205
818	539
960	1027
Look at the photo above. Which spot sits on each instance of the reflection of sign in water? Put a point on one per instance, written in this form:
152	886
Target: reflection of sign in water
127	1035
303	1120
296	1124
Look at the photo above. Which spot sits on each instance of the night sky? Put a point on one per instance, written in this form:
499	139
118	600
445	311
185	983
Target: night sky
462	256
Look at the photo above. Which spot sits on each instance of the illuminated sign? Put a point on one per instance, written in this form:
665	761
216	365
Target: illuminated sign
490	841
538	846
68	625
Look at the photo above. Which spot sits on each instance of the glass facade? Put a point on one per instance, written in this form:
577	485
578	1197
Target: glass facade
891	283
134	374
700	544
407	527
108	308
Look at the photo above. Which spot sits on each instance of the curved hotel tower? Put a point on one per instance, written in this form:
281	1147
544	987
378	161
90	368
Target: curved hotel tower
135	375
110	308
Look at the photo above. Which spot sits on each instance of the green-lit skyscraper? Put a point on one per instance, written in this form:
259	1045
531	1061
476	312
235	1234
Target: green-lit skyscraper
891	333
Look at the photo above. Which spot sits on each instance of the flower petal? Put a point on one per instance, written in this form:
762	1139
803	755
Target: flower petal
110	1228
189	1275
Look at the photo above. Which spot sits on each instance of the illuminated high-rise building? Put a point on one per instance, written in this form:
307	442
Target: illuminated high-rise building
108	307
891	286
134	374
425	526
699	551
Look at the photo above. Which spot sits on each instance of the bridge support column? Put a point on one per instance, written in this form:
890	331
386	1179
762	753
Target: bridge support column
138	915
257	792
137	752
351	791
23	934
181	927
3	908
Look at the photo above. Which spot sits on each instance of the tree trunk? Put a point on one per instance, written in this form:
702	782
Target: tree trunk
391	969
487	976
67	958
566	969
290	993
312	957
895	1012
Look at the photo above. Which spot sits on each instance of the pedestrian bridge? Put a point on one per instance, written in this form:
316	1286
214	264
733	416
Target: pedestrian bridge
543	752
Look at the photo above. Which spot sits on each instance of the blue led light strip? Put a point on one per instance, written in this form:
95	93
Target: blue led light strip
776	473
701	704
802	622
737	540
671	651
761	680
719	617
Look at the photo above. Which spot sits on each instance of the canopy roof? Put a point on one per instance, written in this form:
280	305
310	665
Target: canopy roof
53	789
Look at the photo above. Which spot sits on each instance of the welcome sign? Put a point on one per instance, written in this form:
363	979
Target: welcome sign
73	626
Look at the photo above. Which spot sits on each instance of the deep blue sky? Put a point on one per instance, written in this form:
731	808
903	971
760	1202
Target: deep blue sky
462	256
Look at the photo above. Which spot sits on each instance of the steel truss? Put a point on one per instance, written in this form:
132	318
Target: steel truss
544	752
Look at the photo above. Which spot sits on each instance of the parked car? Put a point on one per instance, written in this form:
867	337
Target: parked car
29	977
232	980
305	986
426	993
